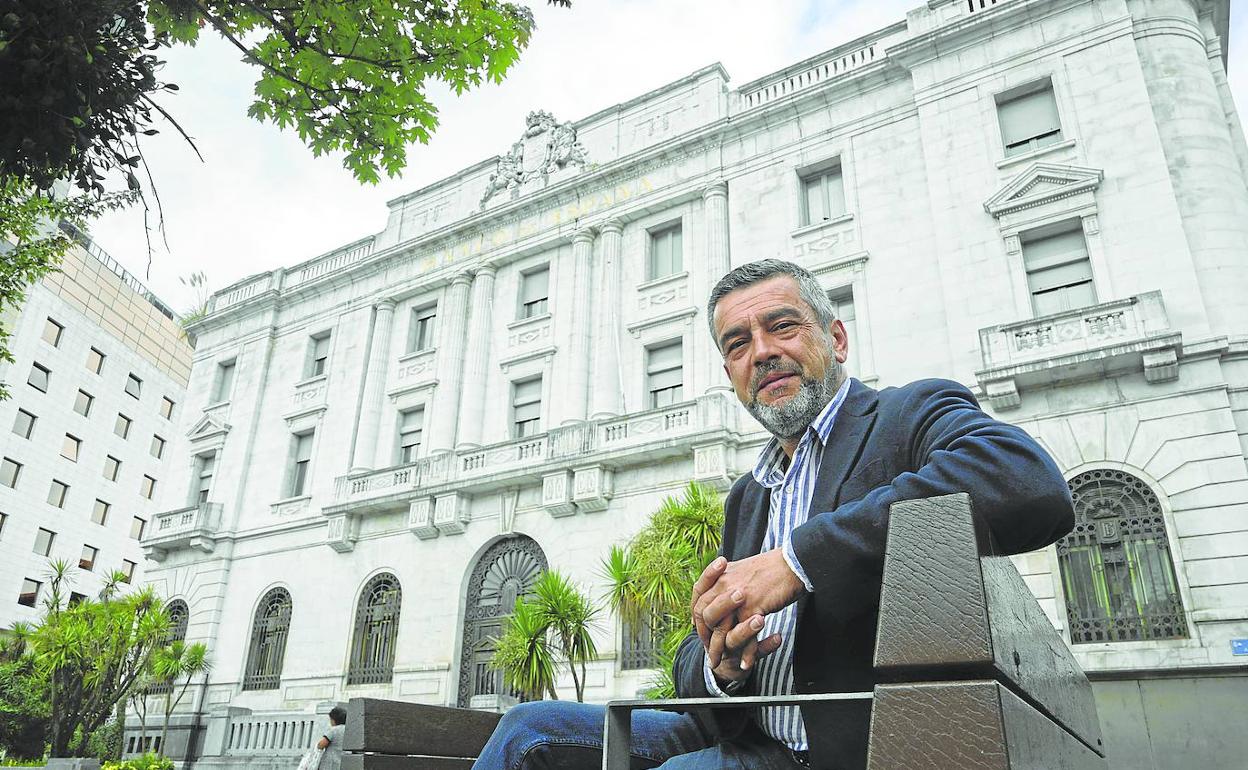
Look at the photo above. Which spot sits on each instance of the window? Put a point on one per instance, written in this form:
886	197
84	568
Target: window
137	528
166	407
318	355
376	631
112	466
10	470
225	382
57	492
534	292
665	374
24	423
526	407
665	252
75	598
127	569
70	447
301	458
1117	573
39	377
4	519
99	512
411	425
134	386
122	426
1059	273
423	326
642	643
823	194
1028	118
179	619
158	447
83	402
30	592
52	332
95	361
43	541
147	487
843	307
87	559
268	641
205	467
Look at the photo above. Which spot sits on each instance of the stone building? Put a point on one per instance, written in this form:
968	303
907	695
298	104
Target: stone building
1043	199
96	386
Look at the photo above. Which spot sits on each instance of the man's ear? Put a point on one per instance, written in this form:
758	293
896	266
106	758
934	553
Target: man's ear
840	340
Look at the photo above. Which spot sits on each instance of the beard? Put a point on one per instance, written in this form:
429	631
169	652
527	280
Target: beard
791	419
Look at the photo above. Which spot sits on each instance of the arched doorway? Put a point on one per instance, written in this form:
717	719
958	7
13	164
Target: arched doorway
505	572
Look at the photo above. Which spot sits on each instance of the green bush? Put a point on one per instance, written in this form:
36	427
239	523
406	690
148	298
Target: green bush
149	761
22	763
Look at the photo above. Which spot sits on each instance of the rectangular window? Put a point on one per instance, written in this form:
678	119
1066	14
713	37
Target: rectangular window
4	519
147	487
424	322
205	467
95	361
843	306
411	425
24	423
534	292
301	458
526	407
158	447
137	528
39	377
318	355
112	466
43	541
122	426
99	512
75	598
665	374
70	447
666	256
1028	118
166	407
823	194
87	559
83	402
30	592
52	332
1059	273
224	383
127	569
134	386
10	470
57	492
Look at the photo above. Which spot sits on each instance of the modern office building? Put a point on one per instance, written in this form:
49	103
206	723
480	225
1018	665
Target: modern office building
1042	199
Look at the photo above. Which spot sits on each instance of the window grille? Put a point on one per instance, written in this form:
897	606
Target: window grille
376	631
643	643
1116	567
179	618
268	641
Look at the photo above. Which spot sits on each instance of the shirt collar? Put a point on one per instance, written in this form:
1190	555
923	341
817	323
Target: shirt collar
767	471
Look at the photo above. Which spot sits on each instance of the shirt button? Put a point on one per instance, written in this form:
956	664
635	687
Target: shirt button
789	489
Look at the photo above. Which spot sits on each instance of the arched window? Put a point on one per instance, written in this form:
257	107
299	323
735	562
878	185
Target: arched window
179	616
1117	572
376	628
268	641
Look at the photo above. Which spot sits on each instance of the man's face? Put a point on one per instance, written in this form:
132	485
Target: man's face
782	364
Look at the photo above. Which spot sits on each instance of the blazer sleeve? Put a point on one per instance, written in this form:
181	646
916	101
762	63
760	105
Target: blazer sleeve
953	446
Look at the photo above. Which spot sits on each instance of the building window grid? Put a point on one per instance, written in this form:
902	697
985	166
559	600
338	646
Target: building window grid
666	252
134	385
205	467
122	426
411	430
158	446
24	423
665	374
10	472
224	383
57	492
267	648
376	631
138	526
112	467
99	512
4	519
424	326
318	354
166	407
535	293
40	377
95	361
526	400
83	402
823	194
301	460
44	538
147	487
70	447
127	569
52	332
1059	272
29	596
1028	118
87	560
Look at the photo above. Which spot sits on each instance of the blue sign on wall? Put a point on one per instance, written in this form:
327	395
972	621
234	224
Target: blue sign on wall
1239	646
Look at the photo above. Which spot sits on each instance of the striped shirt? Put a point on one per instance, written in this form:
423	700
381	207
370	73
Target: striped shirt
791	490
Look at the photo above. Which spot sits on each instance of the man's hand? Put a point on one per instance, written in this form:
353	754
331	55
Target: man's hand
757	585
742	650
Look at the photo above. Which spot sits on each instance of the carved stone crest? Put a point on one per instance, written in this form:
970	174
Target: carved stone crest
546	147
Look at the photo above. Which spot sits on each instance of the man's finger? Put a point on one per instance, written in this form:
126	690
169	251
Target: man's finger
749	655
703	584
721	607
744	632
715	650
768	646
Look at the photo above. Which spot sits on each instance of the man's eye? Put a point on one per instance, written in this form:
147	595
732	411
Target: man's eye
782	325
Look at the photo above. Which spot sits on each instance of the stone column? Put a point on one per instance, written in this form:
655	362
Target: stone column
477	360
453	316
606	386
577	397
374	389
718	263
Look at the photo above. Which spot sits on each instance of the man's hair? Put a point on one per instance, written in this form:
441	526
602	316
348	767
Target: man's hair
808	289
339	715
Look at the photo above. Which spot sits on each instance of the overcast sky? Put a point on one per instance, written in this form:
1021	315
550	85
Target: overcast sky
260	200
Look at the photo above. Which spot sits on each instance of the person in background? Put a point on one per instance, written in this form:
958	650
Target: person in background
331	741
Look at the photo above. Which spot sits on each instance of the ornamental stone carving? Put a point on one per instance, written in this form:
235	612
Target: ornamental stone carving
557	494
546	148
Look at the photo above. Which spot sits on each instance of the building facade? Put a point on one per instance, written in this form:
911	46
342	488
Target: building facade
1043	199
96	389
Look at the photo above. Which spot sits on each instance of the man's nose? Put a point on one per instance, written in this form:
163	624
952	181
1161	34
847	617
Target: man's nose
765	348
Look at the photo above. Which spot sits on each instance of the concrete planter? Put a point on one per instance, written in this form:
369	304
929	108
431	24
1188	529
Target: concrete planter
68	763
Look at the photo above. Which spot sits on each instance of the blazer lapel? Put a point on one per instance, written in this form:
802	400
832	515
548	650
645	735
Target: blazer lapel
849	432
755	509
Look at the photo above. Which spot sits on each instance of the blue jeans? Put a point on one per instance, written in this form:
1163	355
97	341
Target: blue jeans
559	735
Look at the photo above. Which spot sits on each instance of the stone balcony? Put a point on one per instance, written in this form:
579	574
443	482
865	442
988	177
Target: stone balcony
193	527
1112	338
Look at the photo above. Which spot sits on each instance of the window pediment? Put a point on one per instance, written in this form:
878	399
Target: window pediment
207	431
1042	183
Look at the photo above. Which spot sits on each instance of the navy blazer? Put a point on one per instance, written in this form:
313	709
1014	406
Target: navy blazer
925	439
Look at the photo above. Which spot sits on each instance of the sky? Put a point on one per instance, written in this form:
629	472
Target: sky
260	200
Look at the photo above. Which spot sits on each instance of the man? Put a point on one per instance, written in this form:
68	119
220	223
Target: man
791	604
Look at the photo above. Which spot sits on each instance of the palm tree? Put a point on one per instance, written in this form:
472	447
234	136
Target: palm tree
173	662
524	655
570	616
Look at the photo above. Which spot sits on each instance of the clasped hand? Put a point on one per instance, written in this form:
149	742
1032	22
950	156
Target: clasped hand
730	602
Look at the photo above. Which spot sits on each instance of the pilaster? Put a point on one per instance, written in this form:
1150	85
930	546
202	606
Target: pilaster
454	318
477	360
577	395
607	390
374	389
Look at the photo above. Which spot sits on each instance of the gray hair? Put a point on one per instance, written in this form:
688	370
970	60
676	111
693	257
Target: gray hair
808	288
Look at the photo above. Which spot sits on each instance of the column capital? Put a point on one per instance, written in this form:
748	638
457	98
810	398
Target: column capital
584	235
487	270
386	305
611	227
719	188
462	279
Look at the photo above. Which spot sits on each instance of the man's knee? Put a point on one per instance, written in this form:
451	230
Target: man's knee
539	717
